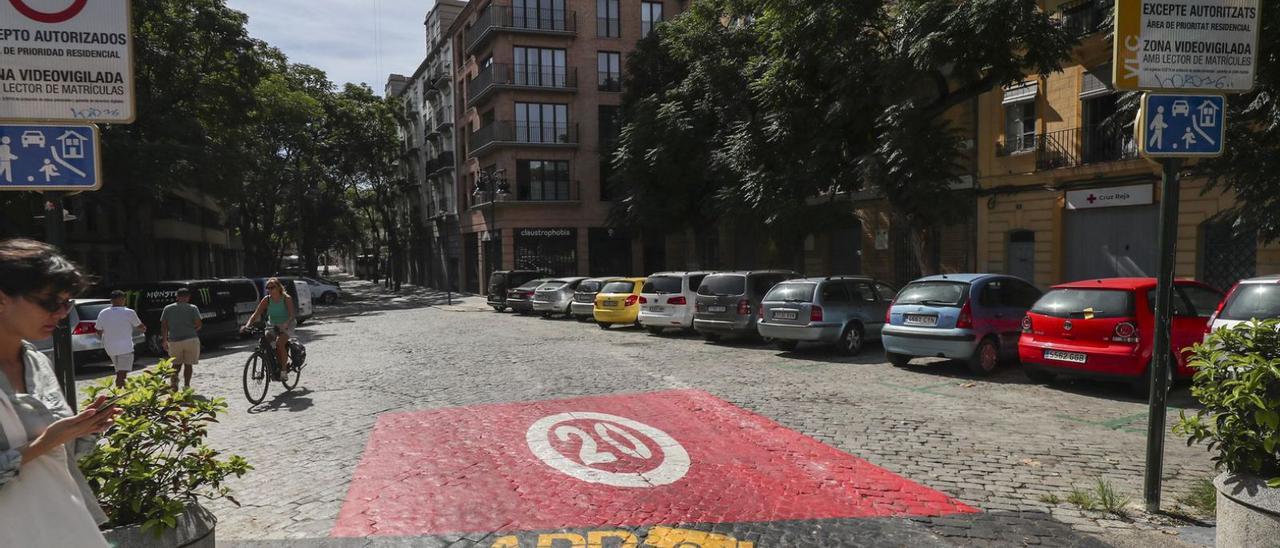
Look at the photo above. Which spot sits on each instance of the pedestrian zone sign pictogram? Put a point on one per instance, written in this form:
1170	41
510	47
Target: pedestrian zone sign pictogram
49	157
1182	126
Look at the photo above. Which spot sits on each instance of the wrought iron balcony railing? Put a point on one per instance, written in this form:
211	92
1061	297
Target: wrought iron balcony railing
505	18
501	75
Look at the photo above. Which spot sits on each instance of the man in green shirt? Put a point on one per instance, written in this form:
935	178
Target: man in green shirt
178	326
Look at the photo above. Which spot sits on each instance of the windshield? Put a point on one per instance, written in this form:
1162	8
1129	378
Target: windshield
90	311
618	287
791	292
1253	301
552	285
729	284
933	293
662	284
1071	303
533	284
590	286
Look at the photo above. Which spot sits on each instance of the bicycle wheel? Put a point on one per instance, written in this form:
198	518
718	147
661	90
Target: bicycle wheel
256	379
291	378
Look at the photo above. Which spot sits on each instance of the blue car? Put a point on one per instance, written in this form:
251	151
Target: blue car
974	318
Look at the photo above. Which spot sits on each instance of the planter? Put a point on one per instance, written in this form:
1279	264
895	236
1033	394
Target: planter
1248	511
195	530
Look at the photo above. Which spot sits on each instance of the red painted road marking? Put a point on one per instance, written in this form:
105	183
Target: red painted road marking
474	469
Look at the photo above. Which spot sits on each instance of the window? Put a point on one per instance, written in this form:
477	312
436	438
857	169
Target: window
542	180
538	14
609	70
723	285
1203	301
1020	126
863	291
607	23
539	67
886	292
650	16
486	62
791	292
1071	303
542	123
835	293
934	293
1249	301
610	128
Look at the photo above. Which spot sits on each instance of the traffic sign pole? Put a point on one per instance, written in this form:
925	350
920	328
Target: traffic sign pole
1162	362
64	363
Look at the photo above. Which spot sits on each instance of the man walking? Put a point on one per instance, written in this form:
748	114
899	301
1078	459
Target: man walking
178	326
115	325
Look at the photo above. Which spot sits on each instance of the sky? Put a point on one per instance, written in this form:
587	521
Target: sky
351	40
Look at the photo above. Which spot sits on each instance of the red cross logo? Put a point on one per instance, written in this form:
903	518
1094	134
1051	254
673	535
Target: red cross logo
46	17
1092	198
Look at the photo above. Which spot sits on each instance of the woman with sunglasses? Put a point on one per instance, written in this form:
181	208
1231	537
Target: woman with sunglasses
44	500
281	316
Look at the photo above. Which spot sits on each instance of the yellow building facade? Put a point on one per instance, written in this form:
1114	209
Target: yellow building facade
1062	197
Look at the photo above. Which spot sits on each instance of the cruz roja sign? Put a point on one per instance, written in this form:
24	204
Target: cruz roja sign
1181	126
66	60
49	157
1206	45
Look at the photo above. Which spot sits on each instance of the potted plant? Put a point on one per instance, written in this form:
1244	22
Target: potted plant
150	469
1238	381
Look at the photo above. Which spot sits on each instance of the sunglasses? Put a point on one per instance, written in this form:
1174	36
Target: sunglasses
52	304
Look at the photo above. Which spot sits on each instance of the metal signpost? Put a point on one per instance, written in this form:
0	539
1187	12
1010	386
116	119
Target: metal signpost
1168	47
62	62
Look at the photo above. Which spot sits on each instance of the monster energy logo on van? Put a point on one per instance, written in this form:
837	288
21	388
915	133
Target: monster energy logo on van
206	296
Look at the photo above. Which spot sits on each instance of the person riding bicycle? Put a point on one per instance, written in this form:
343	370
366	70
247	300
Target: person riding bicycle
281	316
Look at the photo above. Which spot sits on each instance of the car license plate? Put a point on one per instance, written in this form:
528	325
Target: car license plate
611	303
657	309
208	315
920	319
1073	357
780	315
716	308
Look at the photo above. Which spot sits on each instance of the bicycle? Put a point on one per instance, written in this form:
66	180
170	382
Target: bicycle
262	367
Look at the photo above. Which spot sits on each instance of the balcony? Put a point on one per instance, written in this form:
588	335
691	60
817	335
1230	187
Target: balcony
526	134
1083	146
440	77
502	76
560	192
1084	17
528	21
440	163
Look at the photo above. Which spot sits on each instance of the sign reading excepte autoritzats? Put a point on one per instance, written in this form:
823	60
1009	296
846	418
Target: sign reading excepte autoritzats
1167	45
66	60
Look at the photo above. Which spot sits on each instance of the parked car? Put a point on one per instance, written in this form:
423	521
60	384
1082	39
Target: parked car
244	296
584	298
975	318
214	298
502	281
728	302
667	300
1255	298
618	303
85	342
845	311
520	299
555	296
1105	329
323	292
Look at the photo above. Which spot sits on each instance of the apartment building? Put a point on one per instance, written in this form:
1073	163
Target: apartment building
537	86
1064	197
429	208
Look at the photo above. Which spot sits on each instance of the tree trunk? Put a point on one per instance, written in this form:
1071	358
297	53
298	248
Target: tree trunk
922	246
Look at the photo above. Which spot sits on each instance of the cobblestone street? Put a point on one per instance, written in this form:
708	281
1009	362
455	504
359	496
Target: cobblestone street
1012	450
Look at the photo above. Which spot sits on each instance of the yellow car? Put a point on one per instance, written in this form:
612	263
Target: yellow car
618	302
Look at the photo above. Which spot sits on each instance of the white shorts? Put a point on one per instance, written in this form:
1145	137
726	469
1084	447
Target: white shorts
123	362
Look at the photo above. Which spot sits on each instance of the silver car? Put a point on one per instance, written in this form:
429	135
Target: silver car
845	311
584	299
555	296
83	318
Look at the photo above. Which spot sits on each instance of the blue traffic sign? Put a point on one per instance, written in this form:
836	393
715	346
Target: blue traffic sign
1182	126
49	157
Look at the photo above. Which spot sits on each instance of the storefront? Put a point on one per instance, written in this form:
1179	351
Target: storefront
554	250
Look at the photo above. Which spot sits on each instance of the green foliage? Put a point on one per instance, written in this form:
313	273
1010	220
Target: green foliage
154	461
1051	498
1082	499
1238	381
1203	497
1110	499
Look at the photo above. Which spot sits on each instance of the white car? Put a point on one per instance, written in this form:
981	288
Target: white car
1255	298
667	300
32	138
83	318
323	292
304	300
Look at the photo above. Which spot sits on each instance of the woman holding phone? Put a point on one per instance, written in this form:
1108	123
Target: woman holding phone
44	500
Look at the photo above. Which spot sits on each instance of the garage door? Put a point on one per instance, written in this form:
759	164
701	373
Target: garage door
1110	242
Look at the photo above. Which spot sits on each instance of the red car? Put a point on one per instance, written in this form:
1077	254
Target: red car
1105	329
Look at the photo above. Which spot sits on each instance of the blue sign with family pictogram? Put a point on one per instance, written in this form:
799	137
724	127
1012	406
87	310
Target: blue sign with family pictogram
1182	126
49	157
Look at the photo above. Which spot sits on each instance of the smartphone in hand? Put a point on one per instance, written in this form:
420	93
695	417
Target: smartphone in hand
112	401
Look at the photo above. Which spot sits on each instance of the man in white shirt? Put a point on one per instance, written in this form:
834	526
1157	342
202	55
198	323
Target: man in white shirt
115	326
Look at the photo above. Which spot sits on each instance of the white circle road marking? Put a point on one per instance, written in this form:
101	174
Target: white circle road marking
675	460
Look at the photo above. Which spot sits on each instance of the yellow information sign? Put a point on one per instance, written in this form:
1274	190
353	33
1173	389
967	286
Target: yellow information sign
1186	45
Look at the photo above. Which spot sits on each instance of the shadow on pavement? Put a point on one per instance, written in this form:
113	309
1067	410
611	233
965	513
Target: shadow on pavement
292	401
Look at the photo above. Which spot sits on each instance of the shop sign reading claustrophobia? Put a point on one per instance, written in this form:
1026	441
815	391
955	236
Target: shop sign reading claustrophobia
1201	45
66	60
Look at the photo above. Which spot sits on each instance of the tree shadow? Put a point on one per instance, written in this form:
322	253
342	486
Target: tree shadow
872	353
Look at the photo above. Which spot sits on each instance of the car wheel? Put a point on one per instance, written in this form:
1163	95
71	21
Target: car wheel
329	298
546	315
1038	376
499	309
1141	387
897	360
786	346
655	330
851	340
985	358
604	325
